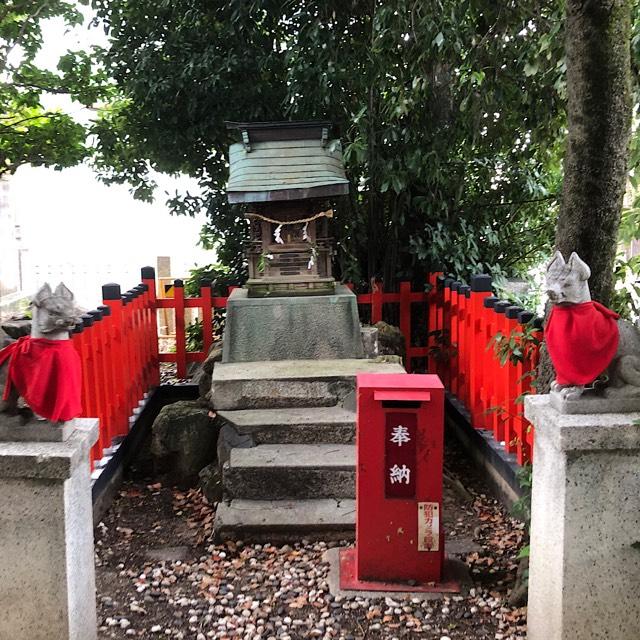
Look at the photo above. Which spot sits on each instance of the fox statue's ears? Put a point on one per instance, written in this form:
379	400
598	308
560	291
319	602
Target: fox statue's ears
43	293
63	291
579	266
575	264
556	262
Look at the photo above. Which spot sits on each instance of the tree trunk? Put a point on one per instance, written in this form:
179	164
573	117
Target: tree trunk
598	52
598	62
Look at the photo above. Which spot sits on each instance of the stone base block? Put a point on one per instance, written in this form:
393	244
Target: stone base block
286	384
47	575
585	561
264	287
290	472
292	328
14	429
590	403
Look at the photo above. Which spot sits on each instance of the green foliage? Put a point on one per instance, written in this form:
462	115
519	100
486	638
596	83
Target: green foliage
218	276
29	132
522	507
194	335
517	346
626	296
450	113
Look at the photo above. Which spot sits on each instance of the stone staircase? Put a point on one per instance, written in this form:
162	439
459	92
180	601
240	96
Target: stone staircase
291	473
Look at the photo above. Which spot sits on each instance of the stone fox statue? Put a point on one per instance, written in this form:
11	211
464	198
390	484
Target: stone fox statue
44	368
585	339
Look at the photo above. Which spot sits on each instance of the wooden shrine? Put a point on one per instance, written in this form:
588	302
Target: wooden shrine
287	173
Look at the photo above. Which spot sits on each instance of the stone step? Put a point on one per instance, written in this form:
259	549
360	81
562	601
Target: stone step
289	383
291	471
294	426
285	520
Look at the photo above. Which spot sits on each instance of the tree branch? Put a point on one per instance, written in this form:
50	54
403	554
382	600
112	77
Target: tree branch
17	40
553	196
38	117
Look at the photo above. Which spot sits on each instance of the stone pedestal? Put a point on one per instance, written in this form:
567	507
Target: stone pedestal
584	576
47	575
300	328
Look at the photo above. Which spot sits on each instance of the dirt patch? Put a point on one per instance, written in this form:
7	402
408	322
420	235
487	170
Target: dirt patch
159	576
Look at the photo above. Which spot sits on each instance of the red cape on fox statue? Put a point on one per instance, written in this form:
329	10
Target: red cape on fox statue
47	374
582	340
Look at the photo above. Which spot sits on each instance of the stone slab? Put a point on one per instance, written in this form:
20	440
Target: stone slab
291	471
584	565
457	571
293	456
289	383
292	328
285	520
14	429
592	404
47	576
49	460
294	426
169	554
584	432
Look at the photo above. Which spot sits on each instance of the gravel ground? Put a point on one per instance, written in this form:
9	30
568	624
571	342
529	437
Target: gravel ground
159	576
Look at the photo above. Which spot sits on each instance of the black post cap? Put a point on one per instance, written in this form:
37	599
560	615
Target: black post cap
501	306
111	291
148	273
440	282
448	282
96	314
489	301
524	317
178	283
106	310
465	290
144	287
538	322
455	286
134	293
481	282
87	320
79	328
126	298
512	312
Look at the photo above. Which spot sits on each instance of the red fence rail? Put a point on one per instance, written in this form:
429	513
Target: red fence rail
118	344
207	303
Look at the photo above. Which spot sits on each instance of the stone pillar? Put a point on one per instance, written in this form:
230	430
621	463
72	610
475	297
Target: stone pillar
47	574
584	572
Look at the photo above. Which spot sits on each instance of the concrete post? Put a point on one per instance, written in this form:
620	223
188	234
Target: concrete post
47	574
584	575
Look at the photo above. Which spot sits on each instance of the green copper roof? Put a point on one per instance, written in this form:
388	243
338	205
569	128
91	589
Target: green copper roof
285	170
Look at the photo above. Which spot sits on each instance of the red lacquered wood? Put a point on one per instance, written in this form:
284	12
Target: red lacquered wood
152	327
181	343
207	318
118	366
405	322
376	302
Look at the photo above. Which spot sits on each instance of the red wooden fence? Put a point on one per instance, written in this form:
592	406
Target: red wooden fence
118	344
466	321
